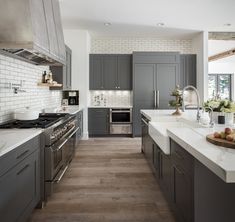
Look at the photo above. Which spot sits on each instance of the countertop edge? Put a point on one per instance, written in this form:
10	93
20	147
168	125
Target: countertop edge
19	143
220	172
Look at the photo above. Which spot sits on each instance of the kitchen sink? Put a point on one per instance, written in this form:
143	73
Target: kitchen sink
158	131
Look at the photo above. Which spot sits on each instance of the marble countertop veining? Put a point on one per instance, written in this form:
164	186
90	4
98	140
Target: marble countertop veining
12	138
219	160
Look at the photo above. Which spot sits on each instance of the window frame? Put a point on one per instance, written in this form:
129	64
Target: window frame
217	75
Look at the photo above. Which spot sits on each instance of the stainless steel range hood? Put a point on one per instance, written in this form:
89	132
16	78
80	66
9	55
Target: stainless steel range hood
31	30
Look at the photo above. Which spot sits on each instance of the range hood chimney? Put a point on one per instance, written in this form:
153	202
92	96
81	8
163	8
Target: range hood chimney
31	30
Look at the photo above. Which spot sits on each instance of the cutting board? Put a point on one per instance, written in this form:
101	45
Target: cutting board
220	142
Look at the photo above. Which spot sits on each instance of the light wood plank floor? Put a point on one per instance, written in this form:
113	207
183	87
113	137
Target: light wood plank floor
108	181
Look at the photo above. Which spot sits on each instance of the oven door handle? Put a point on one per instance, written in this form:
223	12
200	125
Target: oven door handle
62	144
60	175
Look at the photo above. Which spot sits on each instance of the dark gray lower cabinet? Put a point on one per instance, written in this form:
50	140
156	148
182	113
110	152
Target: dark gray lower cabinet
183	194
20	188
166	175
156	159
182	175
98	121
194	192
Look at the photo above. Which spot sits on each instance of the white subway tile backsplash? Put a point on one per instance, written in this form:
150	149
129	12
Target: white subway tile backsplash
13	71
130	44
110	98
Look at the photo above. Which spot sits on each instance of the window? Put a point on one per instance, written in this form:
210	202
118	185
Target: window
219	86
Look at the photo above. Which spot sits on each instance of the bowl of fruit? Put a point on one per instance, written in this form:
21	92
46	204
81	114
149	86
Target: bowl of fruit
225	138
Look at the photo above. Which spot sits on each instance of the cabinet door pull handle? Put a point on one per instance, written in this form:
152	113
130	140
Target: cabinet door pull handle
155	99
22	154
158	95
23	169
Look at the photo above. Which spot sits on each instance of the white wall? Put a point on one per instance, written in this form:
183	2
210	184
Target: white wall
79	42
200	47
221	67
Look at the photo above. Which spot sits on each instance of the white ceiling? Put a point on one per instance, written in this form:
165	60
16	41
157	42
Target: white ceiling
182	18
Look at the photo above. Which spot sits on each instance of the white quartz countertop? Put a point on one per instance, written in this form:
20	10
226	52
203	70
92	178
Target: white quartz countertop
66	109
12	138
70	109
219	160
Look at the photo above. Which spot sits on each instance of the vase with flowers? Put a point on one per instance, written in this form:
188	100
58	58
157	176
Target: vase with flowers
221	107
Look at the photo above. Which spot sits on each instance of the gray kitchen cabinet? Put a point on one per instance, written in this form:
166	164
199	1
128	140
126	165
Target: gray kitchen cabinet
59	29
98	121
188	70
152	84
166	179
124	77
156	160
144	132
110	72
166	79
194	193
96	81
143	88
148	151
20	182
63	74
182	166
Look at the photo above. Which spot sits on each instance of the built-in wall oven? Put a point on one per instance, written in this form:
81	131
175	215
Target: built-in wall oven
121	121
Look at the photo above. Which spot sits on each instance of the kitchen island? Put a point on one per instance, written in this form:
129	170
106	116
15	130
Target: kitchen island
197	177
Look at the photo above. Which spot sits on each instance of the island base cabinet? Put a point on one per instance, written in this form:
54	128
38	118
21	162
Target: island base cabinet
20	190
166	175
214	199
183	195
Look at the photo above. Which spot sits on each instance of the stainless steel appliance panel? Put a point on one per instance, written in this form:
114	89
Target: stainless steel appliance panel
121	115
120	128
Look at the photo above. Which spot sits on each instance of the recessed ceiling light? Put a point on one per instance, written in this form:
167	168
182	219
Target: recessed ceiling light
107	24
227	24
160	24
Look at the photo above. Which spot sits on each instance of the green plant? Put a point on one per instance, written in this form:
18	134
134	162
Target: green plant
218	105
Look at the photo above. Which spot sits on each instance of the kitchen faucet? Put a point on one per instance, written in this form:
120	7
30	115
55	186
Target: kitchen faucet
211	117
198	100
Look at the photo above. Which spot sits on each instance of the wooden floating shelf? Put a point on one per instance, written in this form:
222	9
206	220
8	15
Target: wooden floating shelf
50	85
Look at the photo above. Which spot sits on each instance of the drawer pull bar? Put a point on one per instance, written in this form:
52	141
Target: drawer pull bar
23	169
22	154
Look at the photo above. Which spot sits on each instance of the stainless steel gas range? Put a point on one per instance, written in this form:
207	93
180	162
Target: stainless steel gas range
58	139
